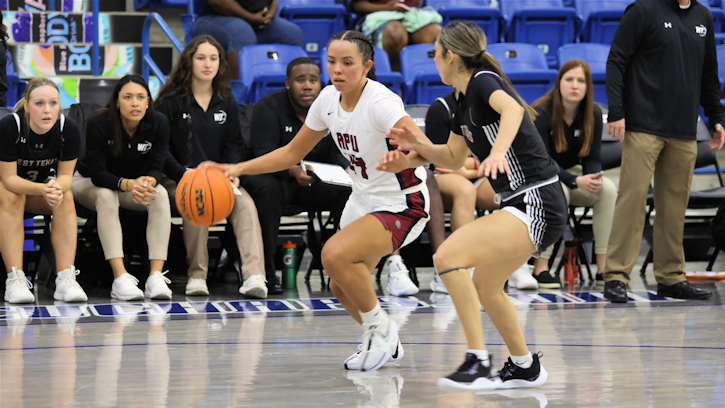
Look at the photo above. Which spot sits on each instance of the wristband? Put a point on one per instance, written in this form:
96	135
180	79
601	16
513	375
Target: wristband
475	164
119	183
573	185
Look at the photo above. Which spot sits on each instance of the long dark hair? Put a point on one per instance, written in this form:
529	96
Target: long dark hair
179	81
364	45
4	37
553	103
467	40
113	114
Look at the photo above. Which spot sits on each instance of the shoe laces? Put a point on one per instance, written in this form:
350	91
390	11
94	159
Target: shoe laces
254	278
161	275
507	370
130	277
69	278
397	267
21	281
398	274
470	366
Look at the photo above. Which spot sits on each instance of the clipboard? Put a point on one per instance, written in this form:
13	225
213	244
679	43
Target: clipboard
329	173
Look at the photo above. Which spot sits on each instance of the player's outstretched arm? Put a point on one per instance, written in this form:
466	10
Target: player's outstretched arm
276	160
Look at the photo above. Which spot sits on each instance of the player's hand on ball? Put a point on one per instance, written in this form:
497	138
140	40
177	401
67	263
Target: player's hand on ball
231	170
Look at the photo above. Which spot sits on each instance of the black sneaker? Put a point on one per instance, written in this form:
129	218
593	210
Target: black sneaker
472	375
513	376
546	281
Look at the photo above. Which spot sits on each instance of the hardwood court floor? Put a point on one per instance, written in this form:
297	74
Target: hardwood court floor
225	351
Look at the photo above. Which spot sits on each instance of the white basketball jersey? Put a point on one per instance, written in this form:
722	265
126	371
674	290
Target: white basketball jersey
360	136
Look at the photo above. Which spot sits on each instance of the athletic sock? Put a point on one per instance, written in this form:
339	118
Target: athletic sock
482	355
523	361
434	264
376	317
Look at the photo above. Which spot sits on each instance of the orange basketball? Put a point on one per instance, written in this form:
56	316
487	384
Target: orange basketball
204	196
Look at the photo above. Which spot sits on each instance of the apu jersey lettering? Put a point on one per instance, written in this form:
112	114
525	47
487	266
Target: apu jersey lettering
360	136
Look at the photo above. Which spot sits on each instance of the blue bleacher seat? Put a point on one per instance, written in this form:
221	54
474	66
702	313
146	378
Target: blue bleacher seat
718	16
263	68
599	19
385	75
477	11
545	23
596	56
188	18
318	19
422	82
720	68
141	4
525	65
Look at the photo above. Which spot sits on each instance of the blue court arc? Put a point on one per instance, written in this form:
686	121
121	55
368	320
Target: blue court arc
294	305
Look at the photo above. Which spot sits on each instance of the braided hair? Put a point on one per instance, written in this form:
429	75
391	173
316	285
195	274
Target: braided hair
364	45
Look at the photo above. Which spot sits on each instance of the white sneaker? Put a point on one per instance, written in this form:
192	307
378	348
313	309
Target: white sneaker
436	285
17	288
384	387
196	287
255	287
523	278
125	287
67	288
376	344
157	286
399	282
396	353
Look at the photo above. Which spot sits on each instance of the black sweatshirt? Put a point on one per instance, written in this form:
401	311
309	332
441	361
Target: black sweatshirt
662	66
574	134
211	135
144	154
275	123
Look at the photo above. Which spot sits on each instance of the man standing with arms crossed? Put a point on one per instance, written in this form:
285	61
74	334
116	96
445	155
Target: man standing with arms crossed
662	66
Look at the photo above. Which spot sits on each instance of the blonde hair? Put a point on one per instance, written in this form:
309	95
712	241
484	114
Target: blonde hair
467	40
34	84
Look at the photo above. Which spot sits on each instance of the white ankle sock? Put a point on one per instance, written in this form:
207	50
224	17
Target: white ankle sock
394	258
482	355
523	361
375	317
434	264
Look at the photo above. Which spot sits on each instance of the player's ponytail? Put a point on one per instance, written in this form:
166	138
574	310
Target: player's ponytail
467	40
364	45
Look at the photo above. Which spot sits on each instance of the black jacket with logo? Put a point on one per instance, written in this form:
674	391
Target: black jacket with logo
275	123
197	136
662	66
143	154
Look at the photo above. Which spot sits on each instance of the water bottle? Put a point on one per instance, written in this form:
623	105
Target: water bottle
571	263
289	273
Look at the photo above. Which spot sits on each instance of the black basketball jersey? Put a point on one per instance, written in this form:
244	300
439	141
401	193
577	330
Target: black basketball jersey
478	122
37	156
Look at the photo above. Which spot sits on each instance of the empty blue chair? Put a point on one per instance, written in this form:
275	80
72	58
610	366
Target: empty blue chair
188	18
422	82
385	74
718	16
544	23
263	68
720	68
596	56
318	19
140	4
525	65
599	19
477	11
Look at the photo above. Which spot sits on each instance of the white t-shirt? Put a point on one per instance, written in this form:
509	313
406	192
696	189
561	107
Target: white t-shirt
360	136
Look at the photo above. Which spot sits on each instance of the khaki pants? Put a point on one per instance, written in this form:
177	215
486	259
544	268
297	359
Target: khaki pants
245	223
672	162
106	203
602	204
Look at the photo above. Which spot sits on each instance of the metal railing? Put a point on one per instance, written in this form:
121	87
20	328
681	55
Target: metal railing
148	62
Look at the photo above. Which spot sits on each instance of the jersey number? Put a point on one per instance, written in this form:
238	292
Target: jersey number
356	161
32	175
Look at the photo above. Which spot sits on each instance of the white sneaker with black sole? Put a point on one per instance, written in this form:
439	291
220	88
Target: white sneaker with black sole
522	278
472	375
396	354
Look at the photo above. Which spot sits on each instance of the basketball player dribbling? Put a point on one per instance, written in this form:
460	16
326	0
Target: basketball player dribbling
385	212
495	124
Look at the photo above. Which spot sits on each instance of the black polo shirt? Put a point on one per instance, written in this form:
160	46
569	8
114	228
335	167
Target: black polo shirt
37	155
275	123
574	135
439	118
252	6
197	136
144	154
